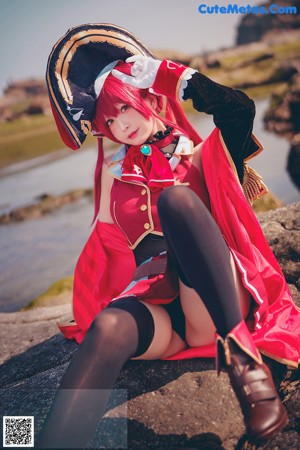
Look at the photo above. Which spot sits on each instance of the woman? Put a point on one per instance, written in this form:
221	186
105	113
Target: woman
171	217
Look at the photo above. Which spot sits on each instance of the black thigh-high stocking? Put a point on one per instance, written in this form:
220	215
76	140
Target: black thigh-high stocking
123	330
200	254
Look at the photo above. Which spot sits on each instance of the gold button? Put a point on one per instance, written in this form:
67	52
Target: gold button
143	207
143	192
146	226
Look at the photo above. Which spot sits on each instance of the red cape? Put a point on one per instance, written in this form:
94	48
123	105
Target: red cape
106	266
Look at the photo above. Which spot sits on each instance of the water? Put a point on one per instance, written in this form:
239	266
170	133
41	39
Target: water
36	253
22	183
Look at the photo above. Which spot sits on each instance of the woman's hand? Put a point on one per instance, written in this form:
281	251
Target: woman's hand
143	71
160	77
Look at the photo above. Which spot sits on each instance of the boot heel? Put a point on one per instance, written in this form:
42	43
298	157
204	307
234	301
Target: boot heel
251	380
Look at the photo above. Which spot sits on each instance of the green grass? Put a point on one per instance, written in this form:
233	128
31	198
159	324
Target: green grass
238	70
287	50
25	124
229	62
51	296
281	51
28	138
14	152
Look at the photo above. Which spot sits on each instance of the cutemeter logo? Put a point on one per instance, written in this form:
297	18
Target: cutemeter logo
233	8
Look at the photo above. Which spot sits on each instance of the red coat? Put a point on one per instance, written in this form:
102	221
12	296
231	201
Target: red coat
106	266
133	205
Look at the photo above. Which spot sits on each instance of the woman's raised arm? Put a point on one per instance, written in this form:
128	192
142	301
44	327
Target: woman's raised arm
233	113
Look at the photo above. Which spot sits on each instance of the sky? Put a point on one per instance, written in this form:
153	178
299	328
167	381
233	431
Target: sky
30	28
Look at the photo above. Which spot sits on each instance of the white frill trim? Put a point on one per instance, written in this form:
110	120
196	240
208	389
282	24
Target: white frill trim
187	76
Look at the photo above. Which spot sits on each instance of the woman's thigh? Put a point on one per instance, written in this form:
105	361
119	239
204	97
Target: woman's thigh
166	341
200	329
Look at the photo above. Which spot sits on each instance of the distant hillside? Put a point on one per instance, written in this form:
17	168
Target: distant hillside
258	64
253	28
24	98
30	87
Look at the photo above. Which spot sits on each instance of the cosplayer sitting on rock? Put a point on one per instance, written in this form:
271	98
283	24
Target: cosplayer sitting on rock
177	262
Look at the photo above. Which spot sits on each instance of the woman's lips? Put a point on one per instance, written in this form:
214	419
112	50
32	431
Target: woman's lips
133	134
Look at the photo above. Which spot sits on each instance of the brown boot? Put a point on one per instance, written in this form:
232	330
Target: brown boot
251	380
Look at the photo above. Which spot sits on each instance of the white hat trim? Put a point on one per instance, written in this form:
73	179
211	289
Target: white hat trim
100	80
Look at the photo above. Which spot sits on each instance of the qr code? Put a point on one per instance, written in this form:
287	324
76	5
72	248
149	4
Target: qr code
18	431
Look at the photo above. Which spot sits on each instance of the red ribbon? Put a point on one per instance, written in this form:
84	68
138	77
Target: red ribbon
153	170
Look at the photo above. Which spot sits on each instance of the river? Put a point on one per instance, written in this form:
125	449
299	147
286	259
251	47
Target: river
36	253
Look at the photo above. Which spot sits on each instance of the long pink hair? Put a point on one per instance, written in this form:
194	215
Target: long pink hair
115	91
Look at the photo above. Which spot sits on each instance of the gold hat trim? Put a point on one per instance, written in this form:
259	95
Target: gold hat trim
116	38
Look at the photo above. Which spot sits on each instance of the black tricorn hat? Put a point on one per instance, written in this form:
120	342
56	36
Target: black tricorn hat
73	66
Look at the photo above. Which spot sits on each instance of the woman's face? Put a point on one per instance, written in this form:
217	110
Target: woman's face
131	127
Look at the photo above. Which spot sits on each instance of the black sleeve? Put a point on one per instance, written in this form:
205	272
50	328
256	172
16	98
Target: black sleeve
233	113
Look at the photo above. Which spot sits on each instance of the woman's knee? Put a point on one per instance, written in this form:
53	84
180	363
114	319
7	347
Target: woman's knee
124	323
178	199
109	325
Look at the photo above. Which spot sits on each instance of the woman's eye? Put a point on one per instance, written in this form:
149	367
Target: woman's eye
109	122
124	108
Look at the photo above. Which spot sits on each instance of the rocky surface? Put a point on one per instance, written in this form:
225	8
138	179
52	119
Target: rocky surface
253	27
282	228
283	118
171	405
45	204
283	115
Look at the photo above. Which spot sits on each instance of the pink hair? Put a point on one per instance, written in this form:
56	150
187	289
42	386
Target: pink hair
114	92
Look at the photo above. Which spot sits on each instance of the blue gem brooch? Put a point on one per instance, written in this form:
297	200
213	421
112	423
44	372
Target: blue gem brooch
145	150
